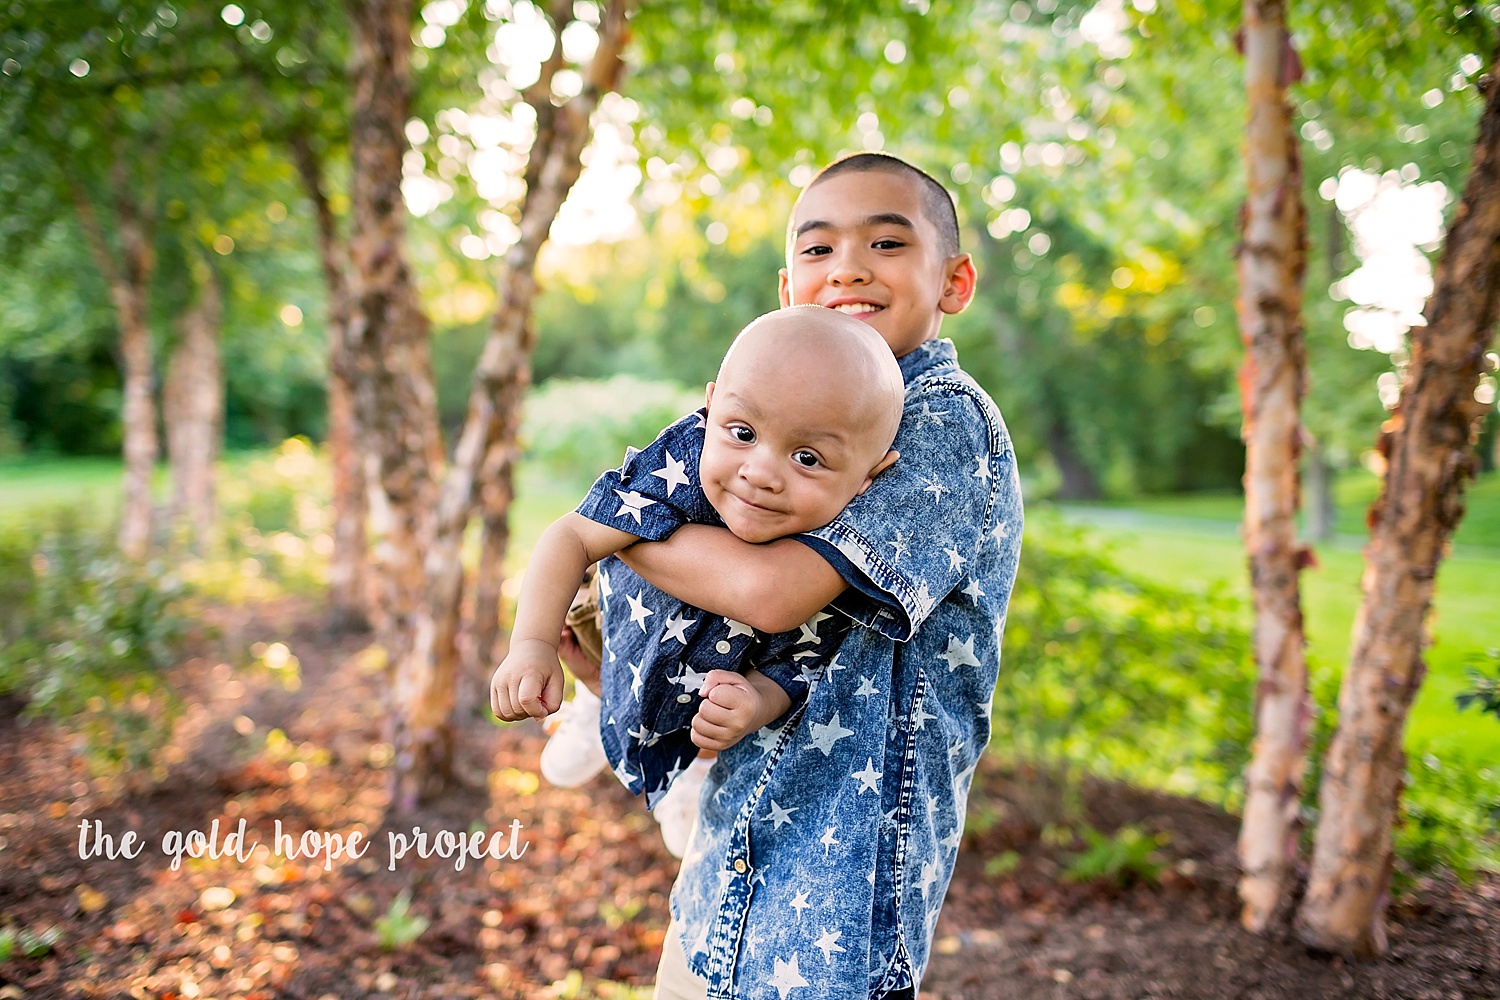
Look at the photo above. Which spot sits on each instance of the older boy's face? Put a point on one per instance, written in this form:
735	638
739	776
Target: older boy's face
861	244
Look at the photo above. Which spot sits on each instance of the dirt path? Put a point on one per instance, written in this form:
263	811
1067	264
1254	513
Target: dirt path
585	906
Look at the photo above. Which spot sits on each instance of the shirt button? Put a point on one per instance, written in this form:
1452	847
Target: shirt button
740	866
723	646
684	698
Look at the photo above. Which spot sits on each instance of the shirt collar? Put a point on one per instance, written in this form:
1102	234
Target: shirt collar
928	355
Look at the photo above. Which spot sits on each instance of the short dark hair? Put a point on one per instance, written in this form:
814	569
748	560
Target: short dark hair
937	203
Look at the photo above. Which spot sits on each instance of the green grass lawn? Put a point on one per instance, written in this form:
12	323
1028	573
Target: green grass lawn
1465	622
1353	493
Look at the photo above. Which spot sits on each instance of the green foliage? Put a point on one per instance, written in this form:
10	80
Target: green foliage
399	927
27	943
86	636
1108	673
1127	856
1450	818
1001	864
578	428
1485	692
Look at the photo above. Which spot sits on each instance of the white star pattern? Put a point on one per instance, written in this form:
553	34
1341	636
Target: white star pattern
752	941
955	558
920	721
785	976
810	628
636	680
828	944
766	738
604	588
738	628
867	687
623	773
828	840
799	903
959	654
953	839
632	503
983	472
925	600
674	473
935	487
899	544
676	628
834	666
869	778
1002	531
780	817
638	611
929	876
690	680
825	735
930	416
973	590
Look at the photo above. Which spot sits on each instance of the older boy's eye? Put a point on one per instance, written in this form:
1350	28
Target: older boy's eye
889	244
816	251
806	459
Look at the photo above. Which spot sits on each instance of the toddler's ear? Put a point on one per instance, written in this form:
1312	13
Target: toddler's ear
708	396
880	466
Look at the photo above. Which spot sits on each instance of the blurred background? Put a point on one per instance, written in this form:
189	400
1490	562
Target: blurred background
188	166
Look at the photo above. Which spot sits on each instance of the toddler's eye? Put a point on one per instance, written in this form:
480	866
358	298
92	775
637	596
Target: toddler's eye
806	459
743	435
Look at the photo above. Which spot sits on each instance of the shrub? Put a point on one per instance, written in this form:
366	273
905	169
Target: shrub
578	428
85	635
1108	673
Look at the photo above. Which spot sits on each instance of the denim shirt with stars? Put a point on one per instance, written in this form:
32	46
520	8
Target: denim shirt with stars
826	841
657	649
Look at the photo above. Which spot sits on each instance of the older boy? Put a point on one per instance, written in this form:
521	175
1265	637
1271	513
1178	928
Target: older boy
798	423
824	849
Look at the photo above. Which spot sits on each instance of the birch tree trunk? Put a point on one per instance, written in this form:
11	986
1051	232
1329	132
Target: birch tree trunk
129	283
485	453
1429	448
394	400
348	575
1271	263
193	407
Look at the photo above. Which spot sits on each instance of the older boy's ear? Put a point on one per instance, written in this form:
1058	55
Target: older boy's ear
880	466
959	285
784	288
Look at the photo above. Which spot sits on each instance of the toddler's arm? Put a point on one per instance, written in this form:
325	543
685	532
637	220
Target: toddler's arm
529	681
735	705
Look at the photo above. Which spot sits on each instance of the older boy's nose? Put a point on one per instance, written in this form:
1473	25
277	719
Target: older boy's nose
849	269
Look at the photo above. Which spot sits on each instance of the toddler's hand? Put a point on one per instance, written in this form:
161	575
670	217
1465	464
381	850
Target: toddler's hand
528	682
728	712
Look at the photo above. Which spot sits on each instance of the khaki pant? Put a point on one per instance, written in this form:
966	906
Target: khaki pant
674	980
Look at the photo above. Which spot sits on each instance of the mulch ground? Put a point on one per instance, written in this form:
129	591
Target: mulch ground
581	913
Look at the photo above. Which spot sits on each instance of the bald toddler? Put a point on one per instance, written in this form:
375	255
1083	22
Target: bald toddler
799	422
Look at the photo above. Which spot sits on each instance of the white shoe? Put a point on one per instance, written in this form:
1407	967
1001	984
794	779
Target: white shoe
677	812
574	753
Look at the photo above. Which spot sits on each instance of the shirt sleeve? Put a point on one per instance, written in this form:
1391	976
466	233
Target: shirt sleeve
655	490
902	545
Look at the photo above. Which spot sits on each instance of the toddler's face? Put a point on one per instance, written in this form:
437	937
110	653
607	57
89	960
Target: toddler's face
782	455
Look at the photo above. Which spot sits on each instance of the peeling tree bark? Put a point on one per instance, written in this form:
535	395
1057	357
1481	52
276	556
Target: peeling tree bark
129	284
1272	258
348	575
1429	448
394	400
484	456
193	407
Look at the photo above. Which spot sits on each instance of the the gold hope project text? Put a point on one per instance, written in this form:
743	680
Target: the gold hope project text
459	847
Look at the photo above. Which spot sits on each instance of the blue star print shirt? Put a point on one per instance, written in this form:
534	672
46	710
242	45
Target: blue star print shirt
657	649
826	841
